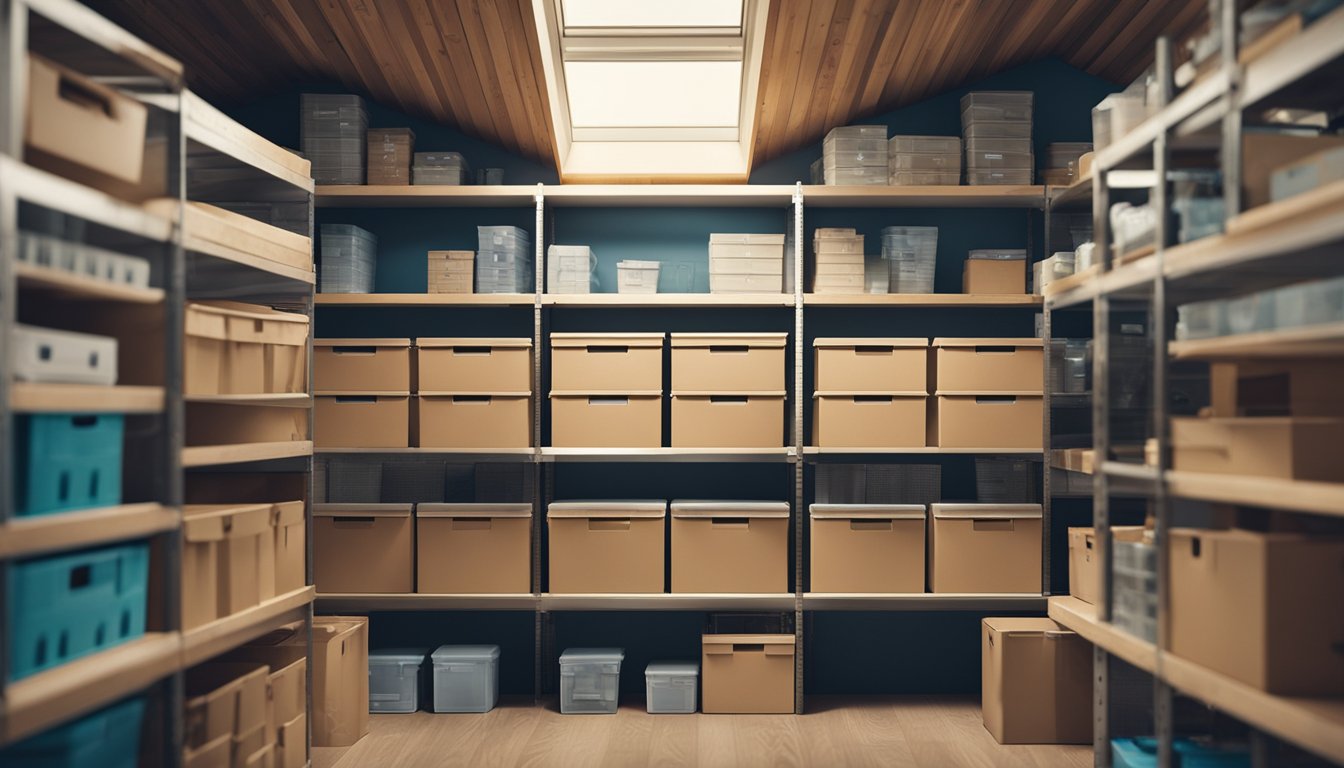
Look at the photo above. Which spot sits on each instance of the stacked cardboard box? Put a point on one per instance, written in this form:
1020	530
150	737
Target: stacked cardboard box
473	548
571	269
867	547
714	550
236	556
989	393
838	266
1036	682
440	168
979	548
728	390
606	390
747	674
997	129
226	715
606	547
746	263
451	271
870	392
855	154
378	537
362	389
474	393
995	270
332	136
390	152
913	160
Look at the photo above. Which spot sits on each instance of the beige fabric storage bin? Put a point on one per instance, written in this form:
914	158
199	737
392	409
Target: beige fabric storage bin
362	421
607	420
871	365
480	366
291	552
985	548
747	674
990	366
729	363
474	421
844	420
232	348
606	547
473	548
730	546
989	421
616	363
347	366
867	548
363	548
702	420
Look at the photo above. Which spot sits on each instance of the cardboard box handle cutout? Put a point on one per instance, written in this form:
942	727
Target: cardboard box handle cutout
608	401
995	399
607	349
361	351
730	522
472	398
870	525
472	351
729	349
608	524
873	399
728	399
874	349
81	96
988	349
356	399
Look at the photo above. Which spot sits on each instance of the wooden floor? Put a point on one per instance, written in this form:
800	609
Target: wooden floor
908	731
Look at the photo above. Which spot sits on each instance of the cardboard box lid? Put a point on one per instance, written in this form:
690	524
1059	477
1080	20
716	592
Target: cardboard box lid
452	255
287	513
875	342
672	669
199	529
985	511
774	645
834	233
708	508
1017	341
211	319
1026	625
474	343
449	394
362	510
639	393
586	509
867	511
729	238
361	342
568	340
750	340
450	653
747	396
236	520
495	509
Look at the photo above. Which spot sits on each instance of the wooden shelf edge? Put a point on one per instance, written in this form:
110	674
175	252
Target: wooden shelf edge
1271	493
81	286
29	397
1324	340
424	299
220	635
211	455
666	601
199	245
812	450
25	536
416	601
958	300
653	300
1081	617
922	601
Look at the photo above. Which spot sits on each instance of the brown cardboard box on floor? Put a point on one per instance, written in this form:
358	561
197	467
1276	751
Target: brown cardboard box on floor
362	421
1289	448
501	420
287	522
240	551
340	679
81	129
606	547
227	424
631	420
607	363
291	743
347	366
1264	608
730	546
1036	682
224	698
1084	562
231	348
989	366
985	548
473	548
867	547
871	365
702	420
994	275
363	548
847	420
747	674
988	421
481	366
729	363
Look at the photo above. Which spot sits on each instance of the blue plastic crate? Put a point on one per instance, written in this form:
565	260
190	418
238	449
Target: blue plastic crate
109	738
67	606
66	461
1142	753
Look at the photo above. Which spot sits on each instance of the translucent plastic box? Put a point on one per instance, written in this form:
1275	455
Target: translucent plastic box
1012	161
394	680
590	680
671	687
998	176
870	146
924	144
858	132
857	159
924	161
989	129
466	678
636	276
925	178
996	105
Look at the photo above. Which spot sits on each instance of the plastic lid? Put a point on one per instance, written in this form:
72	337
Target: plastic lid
361	510
621	508
867	511
397	656
1006	254
494	509
985	511
732	238
458	341
591	655
465	653
673	668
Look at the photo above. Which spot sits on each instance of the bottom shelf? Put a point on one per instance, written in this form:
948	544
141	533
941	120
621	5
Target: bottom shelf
201	643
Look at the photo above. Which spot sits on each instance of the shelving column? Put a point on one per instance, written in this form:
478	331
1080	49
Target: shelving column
799	508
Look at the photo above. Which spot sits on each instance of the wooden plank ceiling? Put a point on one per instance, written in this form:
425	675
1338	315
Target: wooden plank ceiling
475	64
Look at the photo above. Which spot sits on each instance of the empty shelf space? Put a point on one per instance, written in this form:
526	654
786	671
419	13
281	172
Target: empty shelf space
211	455
1325	340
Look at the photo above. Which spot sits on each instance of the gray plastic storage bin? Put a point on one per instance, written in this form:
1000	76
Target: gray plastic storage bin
590	680
394	680
671	687
466	678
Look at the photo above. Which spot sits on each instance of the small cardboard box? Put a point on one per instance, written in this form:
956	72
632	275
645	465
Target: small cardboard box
252	750
867	547
474	366
1264	608
989	421
1276	388
990	366
607	363
871	365
747	674
224	698
473	548
730	546
291	552
844	420
606	547
201	537
362	421
632	420
1036	682
1286	447
231	423
985	548
78	128
474	421
981	275
348	366
1085	563
240	551
363	548
288	678
232	348
728	421
451	271
728	363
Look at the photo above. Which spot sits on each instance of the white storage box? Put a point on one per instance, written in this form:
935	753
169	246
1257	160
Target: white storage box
670	687
633	276
45	355
83	259
466	678
394	680
590	680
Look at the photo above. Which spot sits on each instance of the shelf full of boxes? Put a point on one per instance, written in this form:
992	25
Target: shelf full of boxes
1244	293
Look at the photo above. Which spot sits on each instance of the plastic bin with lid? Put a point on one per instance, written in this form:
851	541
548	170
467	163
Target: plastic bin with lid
590	680
1001	105
998	144
924	161
394	679
466	678
924	145
925	178
998	176
108	738
857	132
503	238
431	175
1012	161
671	687
860	176
1000	129
636	276
840	158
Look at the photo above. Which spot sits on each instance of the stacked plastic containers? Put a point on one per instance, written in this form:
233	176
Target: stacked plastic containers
390	155
855	154
349	258
440	168
1061	162
997	129
922	160
571	269
910	254
332	135
503	260
839	261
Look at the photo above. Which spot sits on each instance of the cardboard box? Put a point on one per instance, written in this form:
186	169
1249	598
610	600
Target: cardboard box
340	680
251	750
842	420
878	365
78	128
291	744
291	552
474	421
989	421
985	548
1263	153
240	552
607	421
287	683
212	755
232	348
728	363
262	757
747	674
451	271
994	276
224	699
1263	608
473	548
227	424
607	363
1276	388
363	548
728	421
1085	562
1307	174
362	421
730	546
989	366
1036	682
1288	448
201	537
867	547
606	547
474	366
347	366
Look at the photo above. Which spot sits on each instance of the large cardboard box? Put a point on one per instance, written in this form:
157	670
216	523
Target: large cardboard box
877	365
990	366
291	743
285	653
994	275
867	547
1085	561
340	680
224	698
474	366
1289	448
728	421
241	551
82	129
989	421
362	421
633	420
232	348
985	548
728	363
201	537
843	420
348	366
1264	608
730	546
363	548
1263	153
606	546
747	674
1276	388
474	421
473	548
607	363
291	552
232	423
1036	682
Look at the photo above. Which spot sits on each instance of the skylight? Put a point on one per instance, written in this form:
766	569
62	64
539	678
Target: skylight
654	94
605	14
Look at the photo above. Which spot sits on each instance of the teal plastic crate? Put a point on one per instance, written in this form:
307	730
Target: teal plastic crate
67	606
1142	753
67	461
109	738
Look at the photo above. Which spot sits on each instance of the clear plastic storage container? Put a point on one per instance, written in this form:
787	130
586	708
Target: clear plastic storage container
991	129
394	680
858	132
637	276
841	144
925	178
671	687
466	678
998	176
590	680
916	161
925	144
996	105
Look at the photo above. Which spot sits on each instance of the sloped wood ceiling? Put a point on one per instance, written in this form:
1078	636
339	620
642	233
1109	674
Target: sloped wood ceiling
475	64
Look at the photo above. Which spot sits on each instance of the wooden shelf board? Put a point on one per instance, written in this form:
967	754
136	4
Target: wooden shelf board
283	400
549	454
61	194
68	285
812	450
211	455
1268	492
921	601
1326	340
1081	460
425	602
200	245
26	536
960	196
931	300
423	196
27	397
1075	195
1081	617
208	126
224	634
623	195
425	299
669	300
783	601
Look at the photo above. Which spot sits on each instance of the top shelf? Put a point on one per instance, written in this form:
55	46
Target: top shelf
962	196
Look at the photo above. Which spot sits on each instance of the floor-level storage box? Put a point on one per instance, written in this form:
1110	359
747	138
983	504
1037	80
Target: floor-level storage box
702	420
237	423
989	421
1264	608
730	546
867	547
66	461
988	366
606	546
466	678
287	523
618	363
985	548
671	687
394	679
340	679
348	366
1290	448
363	548
1036	682
80	128
473	548
732	363
109	738
747	674
995	271
1085	561
630	420
871	365
291	743
243	349
46	355
245	540
849	420
474	365
225	698
501	420
362	421
590	680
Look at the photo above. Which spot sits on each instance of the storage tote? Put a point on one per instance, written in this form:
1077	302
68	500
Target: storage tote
466	678
671	687
590	680
394	680
109	738
66	461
